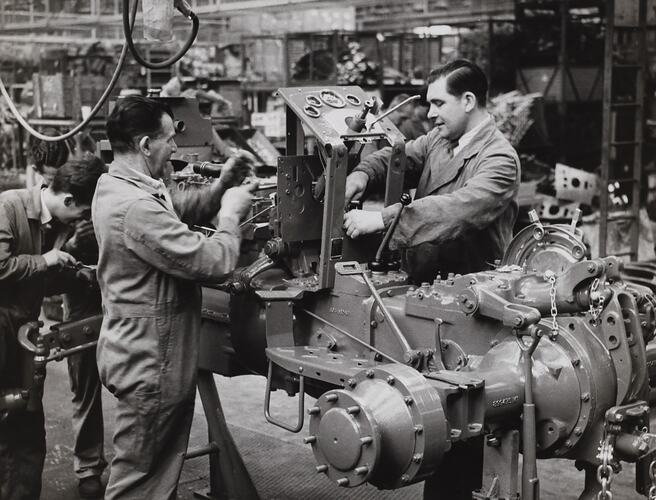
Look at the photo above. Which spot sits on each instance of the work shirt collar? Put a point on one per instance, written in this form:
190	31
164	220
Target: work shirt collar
156	187
45	216
467	137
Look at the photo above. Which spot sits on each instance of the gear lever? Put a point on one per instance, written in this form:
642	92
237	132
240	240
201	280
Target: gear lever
378	264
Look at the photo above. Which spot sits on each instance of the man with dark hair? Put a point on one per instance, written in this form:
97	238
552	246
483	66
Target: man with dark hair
466	175
32	229
148	267
47	157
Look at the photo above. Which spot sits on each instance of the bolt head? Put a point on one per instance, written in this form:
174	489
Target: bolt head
361	471
370	373
417	458
409	400
343	481
405	479
331	398
351	382
419	429
353	410
321	468
585	396
390	380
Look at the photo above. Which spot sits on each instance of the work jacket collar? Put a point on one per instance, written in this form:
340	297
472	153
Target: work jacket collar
449	168
123	170
33	204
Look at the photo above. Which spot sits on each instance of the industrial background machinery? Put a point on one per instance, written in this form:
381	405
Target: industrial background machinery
447	382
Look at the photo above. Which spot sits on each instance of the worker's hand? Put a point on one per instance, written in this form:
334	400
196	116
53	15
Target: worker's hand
238	167
238	200
356	183
82	236
56	257
87	276
359	222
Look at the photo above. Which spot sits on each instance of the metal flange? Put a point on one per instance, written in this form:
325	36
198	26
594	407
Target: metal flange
387	427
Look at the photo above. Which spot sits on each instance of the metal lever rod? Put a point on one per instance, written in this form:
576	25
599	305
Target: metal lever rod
388	317
391	110
405	201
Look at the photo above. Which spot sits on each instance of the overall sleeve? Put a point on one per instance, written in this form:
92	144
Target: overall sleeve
171	247
443	217
198	206
15	267
375	165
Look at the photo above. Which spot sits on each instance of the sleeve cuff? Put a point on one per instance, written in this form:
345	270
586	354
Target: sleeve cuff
41	264
229	223
389	213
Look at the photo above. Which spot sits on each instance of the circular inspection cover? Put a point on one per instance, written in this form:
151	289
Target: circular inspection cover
312	111
313	100
332	98
353	99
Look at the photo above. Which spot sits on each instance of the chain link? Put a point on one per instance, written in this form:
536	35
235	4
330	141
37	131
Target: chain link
652	475
605	472
595	312
550	276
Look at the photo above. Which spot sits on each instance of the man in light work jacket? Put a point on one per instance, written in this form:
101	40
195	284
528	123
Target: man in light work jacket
466	175
148	268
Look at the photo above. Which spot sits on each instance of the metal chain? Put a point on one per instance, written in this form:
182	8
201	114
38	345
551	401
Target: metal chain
605	472
652	475
550	276
595	312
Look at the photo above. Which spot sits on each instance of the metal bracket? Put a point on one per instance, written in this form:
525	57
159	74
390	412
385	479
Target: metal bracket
301	403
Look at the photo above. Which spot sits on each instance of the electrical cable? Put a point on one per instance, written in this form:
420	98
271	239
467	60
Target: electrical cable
186	11
94	111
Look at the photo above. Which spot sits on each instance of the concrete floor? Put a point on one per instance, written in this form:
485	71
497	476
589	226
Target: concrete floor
269	452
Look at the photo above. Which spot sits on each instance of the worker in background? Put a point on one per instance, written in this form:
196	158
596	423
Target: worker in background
466	175
82	302
46	158
79	302
33	225
404	118
405	121
149	267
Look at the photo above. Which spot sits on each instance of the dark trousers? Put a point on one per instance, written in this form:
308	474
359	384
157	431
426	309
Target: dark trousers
22	454
88	426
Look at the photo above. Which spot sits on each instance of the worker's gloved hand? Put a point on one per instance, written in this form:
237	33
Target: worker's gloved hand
237	201
238	167
360	222
356	184
83	236
59	258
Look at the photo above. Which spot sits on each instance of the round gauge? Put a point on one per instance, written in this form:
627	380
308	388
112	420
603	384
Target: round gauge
332	98
312	111
353	99
313	100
